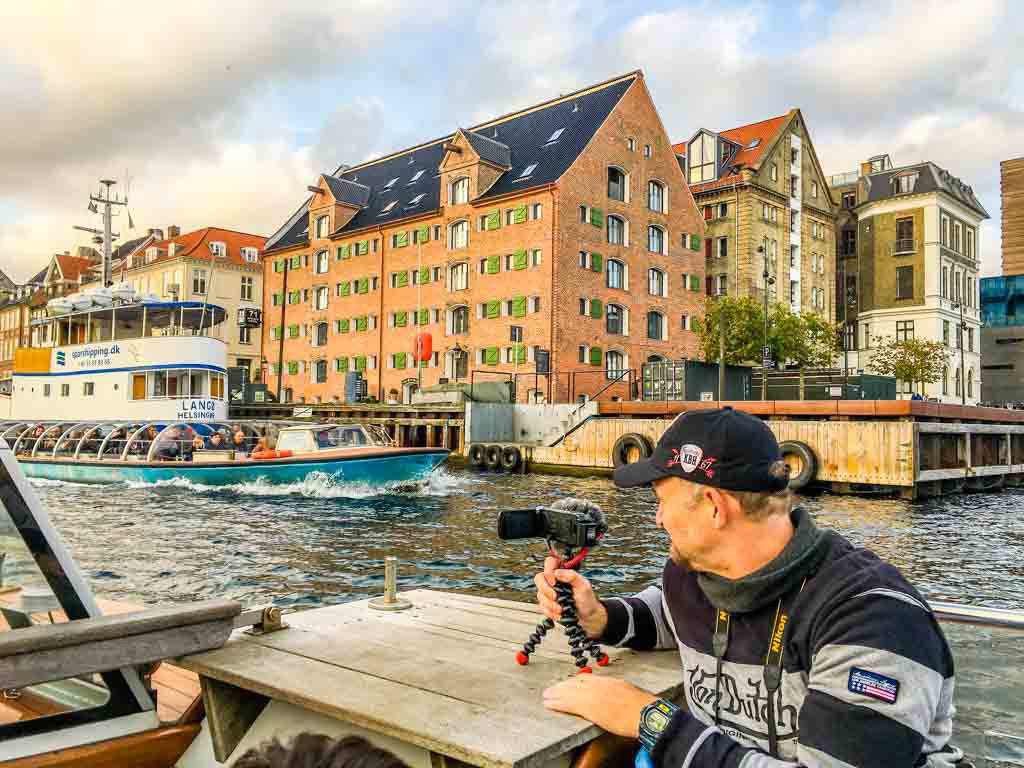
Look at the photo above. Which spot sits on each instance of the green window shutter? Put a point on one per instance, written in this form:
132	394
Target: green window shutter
694	283
519	306
277	265
402	239
346	288
293	367
519	260
343	325
423	363
596	358
402	280
596	217
293	331
424	274
343	252
296	262
491	356
423	234
695	242
400	319
424	316
596	309
361	363
519	215
493	310
363	248
494	219
596	262
363	285
361	323
520	353
278	299
399	359
341	364
493	265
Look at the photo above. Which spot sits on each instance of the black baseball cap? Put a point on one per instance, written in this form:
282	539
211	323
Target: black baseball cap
728	449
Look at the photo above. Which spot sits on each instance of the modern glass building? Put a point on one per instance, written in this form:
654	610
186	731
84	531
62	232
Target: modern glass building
1002	339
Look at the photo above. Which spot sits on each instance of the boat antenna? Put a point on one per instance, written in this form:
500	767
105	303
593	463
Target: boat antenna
104	199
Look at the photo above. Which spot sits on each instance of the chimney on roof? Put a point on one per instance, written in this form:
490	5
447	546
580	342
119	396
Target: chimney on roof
156	233
865	168
173	230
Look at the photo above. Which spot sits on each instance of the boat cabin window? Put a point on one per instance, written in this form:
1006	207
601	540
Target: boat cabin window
177	383
296	440
129	321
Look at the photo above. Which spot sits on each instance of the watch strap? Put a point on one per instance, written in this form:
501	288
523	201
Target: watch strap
654	719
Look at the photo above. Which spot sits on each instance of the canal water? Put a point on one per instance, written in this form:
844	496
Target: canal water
318	543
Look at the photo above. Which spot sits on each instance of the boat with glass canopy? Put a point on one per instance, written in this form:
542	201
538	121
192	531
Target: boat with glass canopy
214	452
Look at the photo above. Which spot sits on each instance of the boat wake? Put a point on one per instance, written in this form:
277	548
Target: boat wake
319	485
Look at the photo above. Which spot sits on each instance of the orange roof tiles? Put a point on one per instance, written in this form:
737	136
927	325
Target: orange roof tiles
73	266
195	245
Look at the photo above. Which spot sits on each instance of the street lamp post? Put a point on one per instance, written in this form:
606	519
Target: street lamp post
963	372
768	280
457	353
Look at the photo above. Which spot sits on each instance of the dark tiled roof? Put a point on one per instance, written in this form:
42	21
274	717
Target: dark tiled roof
128	247
40	276
346	191
525	134
491	150
931	178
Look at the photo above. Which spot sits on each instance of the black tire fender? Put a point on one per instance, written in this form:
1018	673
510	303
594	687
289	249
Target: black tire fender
629	443
803	464
492	457
511	458
475	455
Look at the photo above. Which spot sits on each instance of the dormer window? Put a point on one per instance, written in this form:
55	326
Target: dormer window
528	171
554	136
753	143
391	183
459	192
250	254
904	183
415	177
415	201
151	254
218	249
700	158
323	226
387	208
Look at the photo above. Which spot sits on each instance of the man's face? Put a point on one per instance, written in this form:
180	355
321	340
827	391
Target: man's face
683	514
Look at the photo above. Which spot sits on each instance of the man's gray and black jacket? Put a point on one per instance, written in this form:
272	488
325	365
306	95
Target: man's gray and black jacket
867	675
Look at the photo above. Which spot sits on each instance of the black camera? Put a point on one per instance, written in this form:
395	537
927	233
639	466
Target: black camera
572	528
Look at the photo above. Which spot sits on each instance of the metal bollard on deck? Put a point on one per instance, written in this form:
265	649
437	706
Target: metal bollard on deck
390	601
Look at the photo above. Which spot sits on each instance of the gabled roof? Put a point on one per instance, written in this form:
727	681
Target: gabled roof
489	150
39	277
931	178
347	191
762	135
71	267
196	245
524	134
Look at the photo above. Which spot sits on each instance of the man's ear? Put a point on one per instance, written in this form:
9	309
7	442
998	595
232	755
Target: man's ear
721	510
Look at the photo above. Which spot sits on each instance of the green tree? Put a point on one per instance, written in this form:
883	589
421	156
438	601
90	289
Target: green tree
919	361
815	346
744	329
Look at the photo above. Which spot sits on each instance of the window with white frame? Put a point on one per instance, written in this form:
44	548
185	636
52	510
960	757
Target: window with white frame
584	214
536	211
616	274
656	196
199	282
617	230
458	320
247	288
614	319
459	191
458	234
458	277
614	364
584	259
533	304
219	249
320	297
320	334
723	285
323	225
250	254
617	184
657	283
536	257
244	334
321	263
657	242
655	325
723	247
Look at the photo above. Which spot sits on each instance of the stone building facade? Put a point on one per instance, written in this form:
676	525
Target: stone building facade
565	228
766	203
909	263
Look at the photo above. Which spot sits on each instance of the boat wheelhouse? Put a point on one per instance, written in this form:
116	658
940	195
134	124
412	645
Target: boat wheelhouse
125	360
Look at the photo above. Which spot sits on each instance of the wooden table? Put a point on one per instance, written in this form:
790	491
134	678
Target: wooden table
440	678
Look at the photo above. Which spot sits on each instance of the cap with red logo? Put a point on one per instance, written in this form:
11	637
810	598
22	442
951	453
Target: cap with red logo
728	449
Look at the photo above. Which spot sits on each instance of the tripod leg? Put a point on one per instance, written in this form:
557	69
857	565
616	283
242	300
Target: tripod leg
570	621
523	656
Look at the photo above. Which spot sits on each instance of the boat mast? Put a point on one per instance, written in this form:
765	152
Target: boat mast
104	199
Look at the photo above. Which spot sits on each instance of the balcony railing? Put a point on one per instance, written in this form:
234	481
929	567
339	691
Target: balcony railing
904	245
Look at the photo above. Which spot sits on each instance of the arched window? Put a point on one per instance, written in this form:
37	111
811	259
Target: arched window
614	364
322	263
320	297
656	196
616	230
320	334
616	274
945	379
459	322
458	234
320	371
289	395
655	359
655	325
656	282
460	191
957	380
970	382
614	319
617	181
655	239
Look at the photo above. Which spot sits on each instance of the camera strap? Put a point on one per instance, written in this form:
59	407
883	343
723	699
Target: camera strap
772	664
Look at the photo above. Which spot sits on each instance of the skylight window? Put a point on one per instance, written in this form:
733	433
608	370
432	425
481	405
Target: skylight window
390	183
555	135
527	171
415	177
753	143
387	208
415	201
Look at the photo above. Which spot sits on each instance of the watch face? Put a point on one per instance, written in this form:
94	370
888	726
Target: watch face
655	720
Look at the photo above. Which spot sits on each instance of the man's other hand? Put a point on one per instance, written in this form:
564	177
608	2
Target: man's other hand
592	615
608	702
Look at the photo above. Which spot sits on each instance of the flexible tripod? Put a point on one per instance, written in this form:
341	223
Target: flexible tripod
579	644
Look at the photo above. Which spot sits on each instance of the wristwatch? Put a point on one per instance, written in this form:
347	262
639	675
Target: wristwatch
654	719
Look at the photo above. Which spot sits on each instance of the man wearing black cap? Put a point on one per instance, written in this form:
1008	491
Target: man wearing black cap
797	647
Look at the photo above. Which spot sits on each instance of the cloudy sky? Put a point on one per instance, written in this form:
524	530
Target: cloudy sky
221	113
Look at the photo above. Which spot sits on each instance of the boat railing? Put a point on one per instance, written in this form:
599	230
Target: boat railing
979	616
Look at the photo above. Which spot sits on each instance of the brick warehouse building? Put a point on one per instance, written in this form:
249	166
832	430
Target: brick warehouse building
570	220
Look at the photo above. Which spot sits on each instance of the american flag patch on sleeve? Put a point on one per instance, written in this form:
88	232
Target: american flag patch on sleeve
873	685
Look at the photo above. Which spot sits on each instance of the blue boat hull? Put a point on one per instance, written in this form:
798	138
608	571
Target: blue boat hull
376	470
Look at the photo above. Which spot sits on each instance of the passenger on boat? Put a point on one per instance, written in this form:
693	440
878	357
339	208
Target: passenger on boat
169	448
142	443
261	445
238	443
115	442
833	658
217	442
314	750
198	444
